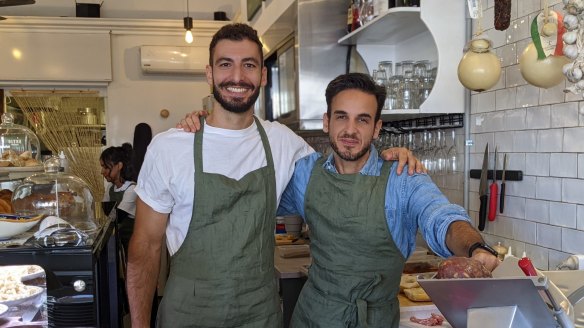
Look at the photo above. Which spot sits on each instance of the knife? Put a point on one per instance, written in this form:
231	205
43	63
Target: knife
483	186
494	188
502	196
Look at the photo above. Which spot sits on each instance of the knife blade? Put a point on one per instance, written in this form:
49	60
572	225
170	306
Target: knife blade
502	195
494	190
483	187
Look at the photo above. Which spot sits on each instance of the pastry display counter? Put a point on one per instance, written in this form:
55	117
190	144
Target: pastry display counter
86	274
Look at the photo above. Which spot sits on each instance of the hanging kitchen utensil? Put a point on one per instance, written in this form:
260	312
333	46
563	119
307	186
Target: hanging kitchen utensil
483	187
494	191
541	63
502	195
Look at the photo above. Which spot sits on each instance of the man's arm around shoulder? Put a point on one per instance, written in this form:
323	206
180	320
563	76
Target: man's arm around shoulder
144	261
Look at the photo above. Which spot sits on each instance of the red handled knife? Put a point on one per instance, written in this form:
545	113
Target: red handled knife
494	191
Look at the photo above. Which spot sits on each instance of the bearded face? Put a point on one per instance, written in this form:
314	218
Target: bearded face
237	74
346	152
235	104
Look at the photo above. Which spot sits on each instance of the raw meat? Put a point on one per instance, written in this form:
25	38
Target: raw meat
462	267
433	320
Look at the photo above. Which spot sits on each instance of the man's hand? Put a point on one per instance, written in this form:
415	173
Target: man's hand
191	121
403	155
489	260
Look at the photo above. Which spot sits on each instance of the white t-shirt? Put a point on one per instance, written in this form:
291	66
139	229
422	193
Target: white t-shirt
166	181
128	203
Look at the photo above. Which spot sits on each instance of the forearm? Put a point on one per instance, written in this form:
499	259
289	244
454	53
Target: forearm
460	236
143	269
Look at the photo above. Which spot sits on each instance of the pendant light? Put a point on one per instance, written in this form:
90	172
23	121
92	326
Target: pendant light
188	25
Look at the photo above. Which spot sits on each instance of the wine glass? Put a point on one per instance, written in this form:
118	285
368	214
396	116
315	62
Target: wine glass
452	154
440	154
426	153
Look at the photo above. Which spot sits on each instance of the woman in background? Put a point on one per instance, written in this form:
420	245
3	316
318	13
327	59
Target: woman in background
118	170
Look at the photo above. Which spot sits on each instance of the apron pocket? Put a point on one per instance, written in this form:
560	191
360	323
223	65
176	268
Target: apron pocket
314	306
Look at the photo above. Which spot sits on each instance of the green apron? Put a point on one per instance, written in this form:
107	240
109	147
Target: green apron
355	275
223	274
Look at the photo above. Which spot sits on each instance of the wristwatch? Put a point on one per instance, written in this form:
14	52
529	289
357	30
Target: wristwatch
484	246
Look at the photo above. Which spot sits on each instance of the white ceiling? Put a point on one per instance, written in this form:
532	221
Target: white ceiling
139	9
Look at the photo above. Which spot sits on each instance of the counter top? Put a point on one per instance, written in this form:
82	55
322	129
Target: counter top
287	268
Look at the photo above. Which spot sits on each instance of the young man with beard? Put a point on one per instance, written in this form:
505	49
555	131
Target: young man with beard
363	217
214	194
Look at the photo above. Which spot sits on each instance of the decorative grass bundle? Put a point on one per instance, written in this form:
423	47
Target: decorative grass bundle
61	126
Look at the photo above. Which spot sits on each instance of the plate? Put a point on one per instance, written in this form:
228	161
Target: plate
24	272
12	225
22	168
35	291
34	271
3	309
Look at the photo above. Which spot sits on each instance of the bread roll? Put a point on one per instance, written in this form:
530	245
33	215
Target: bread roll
6	194
5	207
408	281
26	155
31	162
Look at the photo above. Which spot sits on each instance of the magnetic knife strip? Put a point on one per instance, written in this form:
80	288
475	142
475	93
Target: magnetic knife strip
510	175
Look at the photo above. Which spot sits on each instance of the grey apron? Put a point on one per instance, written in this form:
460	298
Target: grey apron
223	274
355	275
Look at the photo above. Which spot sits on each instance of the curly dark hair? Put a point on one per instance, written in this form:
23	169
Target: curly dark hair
123	154
235	32
358	81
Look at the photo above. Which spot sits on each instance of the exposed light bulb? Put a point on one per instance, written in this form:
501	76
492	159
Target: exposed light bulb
188	25
189	36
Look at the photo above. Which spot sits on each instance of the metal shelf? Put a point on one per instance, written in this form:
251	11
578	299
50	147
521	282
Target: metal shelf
392	27
430	122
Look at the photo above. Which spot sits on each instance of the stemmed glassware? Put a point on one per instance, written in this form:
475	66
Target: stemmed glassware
426	155
440	154
452	155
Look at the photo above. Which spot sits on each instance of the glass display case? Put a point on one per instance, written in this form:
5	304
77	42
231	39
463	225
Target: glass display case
65	201
19	146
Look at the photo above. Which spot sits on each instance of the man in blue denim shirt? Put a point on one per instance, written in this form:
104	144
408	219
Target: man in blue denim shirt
363	217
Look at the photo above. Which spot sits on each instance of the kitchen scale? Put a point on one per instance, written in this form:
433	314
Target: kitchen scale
508	300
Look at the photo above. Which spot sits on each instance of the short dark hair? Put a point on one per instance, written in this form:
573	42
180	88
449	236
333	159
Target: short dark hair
358	81
123	154
235	32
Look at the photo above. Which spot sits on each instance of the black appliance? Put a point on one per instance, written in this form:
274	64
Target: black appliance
91	269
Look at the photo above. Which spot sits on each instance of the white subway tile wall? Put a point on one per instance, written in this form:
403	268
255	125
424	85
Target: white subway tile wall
563	214
564	115
564	165
524	231
542	132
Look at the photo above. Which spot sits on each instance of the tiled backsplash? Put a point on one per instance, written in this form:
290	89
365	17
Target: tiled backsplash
542	131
